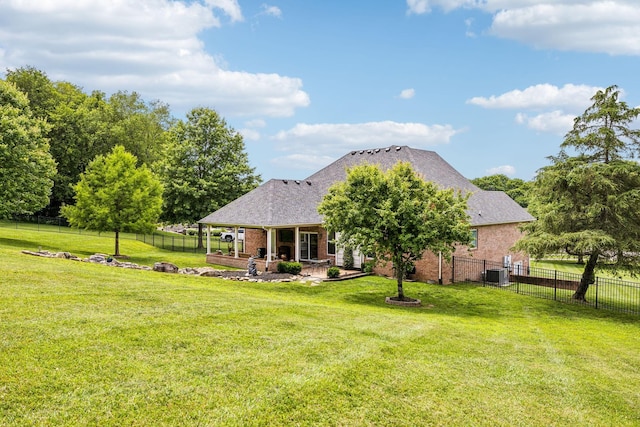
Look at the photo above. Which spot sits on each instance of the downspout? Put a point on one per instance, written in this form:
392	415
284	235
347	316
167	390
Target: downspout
440	268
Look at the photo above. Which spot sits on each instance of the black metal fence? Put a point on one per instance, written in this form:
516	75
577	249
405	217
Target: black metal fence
605	293
164	240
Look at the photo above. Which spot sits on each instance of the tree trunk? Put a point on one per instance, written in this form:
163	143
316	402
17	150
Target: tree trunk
400	276
587	277
117	244
200	244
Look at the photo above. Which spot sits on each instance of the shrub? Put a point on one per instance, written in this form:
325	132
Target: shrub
192	232
333	272
367	267
289	267
347	261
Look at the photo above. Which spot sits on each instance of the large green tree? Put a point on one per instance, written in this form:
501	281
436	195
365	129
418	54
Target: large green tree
395	215
83	126
27	168
588	198
516	188
115	195
205	166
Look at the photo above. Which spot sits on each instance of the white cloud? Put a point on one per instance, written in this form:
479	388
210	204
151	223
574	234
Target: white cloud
315	146
418	7
407	94
326	142
250	134
611	27
148	46
271	11
256	123
309	162
341	137
507	170
540	96
230	8
605	26
555	122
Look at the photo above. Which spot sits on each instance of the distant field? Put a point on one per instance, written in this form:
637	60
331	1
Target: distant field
84	344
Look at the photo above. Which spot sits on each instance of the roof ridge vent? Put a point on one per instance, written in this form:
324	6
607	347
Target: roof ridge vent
286	181
297	182
308	182
398	148
377	150
361	151
387	149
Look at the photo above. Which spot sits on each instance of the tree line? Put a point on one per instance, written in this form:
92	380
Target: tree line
52	133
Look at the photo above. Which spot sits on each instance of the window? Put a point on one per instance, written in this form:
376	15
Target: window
331	243
474	239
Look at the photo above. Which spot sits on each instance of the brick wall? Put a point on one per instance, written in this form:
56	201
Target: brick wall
494	242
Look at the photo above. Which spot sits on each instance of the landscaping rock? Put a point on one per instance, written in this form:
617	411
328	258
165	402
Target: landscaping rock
165	267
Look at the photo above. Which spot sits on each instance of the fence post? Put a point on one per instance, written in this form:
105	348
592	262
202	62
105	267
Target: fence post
555	285
597	291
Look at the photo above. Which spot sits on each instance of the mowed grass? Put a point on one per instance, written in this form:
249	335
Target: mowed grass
84	344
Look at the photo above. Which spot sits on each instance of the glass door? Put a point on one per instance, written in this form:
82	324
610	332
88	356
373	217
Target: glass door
308	246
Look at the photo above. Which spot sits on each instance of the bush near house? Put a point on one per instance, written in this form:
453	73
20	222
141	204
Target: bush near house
333	272
289	267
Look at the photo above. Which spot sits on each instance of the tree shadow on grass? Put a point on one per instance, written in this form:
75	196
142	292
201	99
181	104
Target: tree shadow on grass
30	245
471	300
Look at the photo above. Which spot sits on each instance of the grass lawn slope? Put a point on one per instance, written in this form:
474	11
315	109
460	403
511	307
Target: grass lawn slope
84	344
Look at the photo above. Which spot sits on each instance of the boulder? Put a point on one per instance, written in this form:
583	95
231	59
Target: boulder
165	267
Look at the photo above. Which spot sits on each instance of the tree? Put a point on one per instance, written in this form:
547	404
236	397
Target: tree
82	126
516	188
589	202
139	126
27	166
204	168
395	215
114	195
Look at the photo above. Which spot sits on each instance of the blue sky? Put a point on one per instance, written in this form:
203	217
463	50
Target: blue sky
491	85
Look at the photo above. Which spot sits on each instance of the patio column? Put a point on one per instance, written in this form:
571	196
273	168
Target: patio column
268	248
296	245
235	241
208	238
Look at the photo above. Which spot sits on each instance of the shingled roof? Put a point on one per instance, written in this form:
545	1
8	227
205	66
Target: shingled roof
288	203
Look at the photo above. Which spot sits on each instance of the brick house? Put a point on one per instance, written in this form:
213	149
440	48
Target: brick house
281	220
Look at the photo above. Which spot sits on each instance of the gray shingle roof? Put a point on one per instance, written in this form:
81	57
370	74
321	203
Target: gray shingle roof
286	203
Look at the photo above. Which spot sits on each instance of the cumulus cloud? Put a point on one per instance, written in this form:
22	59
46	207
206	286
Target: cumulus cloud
540	96
507	170
418	7
604	26
339	137
318	144
148	46
309	162
407	94
553	122
554	107
271	11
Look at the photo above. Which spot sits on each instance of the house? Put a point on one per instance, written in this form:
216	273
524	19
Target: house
281	220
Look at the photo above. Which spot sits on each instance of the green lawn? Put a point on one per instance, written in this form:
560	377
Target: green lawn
84	344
